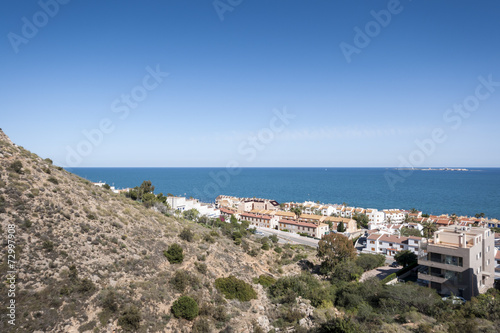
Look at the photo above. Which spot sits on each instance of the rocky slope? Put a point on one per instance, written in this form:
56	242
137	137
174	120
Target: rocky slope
86	256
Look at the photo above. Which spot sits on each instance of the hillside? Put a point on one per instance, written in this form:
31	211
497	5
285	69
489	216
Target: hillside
87	258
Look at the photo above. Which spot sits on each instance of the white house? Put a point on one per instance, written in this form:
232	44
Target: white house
391	244
375	216
394	215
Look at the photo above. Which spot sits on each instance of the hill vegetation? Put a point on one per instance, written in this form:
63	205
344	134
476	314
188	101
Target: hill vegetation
90	260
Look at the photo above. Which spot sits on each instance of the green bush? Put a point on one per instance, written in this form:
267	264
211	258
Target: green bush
130	319
265	247
265	280
174	254
288	288
187	235
182	279
17	166
278	249
369	261
185	307
389	278
53	180
201	326
48	245
201	267
234	288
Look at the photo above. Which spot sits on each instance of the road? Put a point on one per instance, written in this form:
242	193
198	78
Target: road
288	237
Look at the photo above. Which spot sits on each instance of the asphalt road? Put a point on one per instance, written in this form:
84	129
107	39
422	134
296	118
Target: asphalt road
288	237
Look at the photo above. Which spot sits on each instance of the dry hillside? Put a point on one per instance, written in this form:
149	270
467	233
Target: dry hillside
88	260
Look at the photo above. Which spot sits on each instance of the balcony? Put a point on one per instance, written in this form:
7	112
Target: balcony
438	278
439	264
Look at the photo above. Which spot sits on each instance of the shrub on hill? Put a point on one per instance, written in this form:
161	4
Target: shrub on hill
265	280
17	166
234	288
287	289
185	307
130	319
368	261
53	180
174	254
187	235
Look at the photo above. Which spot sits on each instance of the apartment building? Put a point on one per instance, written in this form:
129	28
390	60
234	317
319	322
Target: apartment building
375	216
391	244
313	230
460	261
350	225
258	220
394	215
182	204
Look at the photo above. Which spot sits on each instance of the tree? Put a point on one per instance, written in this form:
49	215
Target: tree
233	287
413	211
334	248
174	254
361	220
297	211
405	231
479	215
428	229
191	214
346	271
341	227
405	257
185	307
368	261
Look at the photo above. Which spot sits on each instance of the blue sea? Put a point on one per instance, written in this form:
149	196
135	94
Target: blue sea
433	192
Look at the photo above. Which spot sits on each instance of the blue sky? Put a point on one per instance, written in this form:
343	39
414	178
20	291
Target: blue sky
228	78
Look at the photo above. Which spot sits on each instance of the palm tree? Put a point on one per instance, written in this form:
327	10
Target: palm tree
429	229
297	211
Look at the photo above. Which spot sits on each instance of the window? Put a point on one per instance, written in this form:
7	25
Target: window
372	242
488	262
373	249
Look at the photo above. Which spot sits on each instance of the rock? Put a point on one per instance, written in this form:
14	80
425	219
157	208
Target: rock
263	322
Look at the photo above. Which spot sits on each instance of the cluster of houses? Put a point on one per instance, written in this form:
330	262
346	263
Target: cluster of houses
265	213
461	258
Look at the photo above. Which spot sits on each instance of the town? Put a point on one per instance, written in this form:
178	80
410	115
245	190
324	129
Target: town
456	255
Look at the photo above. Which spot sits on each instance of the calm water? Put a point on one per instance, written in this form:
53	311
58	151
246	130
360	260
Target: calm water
434	192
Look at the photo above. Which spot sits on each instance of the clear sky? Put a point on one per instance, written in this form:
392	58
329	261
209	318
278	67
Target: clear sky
362	82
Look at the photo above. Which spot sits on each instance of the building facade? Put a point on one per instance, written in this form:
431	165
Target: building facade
460	261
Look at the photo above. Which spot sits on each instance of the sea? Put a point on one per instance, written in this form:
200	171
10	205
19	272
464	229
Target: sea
431	191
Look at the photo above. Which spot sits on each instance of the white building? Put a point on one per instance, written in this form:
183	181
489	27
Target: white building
394	215
375	216
182	204
391	244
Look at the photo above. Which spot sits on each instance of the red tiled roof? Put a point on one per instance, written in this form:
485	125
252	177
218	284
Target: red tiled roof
302	224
